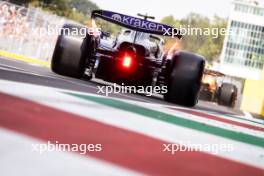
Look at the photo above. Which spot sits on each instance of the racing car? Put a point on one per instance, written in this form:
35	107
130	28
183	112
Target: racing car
214	89
135	57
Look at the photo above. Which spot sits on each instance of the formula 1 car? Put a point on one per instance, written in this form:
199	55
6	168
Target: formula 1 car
215	90
135	57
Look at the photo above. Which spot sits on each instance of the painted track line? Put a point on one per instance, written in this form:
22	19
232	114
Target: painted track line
18	158
243	152
119	146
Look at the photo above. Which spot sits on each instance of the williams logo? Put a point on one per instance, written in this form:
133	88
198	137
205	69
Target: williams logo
117	17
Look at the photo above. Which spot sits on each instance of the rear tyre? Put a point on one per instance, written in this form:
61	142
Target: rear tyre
68	59
227	95
184	80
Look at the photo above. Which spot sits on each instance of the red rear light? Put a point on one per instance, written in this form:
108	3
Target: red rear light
128	56
127	60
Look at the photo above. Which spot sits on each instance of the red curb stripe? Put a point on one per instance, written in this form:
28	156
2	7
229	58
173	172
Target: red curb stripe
213	117
125	148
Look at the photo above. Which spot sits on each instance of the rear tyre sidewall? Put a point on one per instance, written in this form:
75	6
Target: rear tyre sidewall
68	57
227	95
184	82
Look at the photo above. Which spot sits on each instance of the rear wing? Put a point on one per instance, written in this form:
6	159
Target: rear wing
137	24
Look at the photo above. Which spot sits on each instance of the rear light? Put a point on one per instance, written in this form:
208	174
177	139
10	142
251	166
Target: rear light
128	57
127	61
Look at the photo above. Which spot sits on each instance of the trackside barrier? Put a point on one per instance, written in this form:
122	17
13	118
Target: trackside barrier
23	32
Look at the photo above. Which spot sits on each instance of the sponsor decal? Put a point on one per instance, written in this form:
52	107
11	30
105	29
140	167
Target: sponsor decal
116	17
139	24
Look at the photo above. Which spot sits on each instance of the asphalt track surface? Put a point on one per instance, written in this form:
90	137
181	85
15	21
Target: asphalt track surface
19	71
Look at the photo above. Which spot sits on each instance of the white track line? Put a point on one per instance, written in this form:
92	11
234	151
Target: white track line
19	158
245	153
